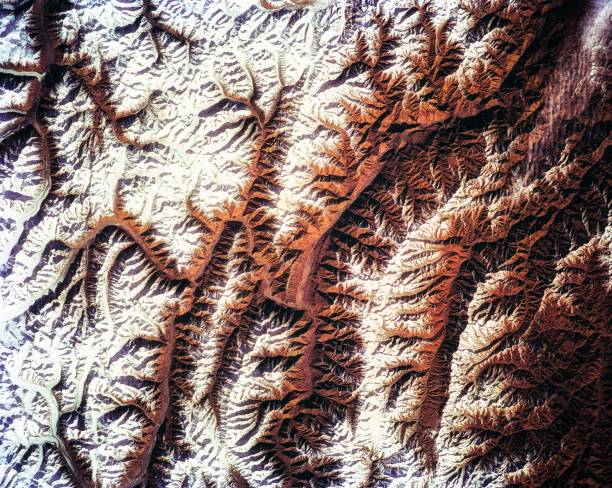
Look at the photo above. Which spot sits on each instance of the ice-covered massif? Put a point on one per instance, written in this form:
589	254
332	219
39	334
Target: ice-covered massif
305	243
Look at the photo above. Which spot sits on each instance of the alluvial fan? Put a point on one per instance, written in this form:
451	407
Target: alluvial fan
305	243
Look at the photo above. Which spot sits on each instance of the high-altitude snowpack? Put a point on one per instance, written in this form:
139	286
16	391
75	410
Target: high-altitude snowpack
305	243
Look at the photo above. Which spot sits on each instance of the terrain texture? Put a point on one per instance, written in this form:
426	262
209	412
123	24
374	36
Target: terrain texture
305	243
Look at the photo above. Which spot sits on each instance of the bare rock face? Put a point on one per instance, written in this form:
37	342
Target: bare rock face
305	243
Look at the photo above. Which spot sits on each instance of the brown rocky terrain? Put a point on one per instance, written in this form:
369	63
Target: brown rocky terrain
305	243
